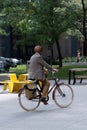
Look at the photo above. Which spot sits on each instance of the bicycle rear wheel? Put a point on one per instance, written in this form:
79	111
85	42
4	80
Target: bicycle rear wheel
63	95
28	104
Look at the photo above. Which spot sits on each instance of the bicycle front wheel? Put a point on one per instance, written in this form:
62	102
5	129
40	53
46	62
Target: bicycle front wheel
63	95
28	104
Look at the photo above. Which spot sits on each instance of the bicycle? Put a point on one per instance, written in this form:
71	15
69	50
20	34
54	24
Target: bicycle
62	95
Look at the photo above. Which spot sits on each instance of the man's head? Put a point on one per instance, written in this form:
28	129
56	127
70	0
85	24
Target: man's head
38	48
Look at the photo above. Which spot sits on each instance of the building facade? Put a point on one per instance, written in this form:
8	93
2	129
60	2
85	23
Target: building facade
68	48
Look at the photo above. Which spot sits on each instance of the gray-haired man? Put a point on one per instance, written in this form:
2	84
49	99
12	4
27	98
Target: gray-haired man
36	71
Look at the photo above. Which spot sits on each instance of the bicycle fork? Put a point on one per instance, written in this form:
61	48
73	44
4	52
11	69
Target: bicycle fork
59	90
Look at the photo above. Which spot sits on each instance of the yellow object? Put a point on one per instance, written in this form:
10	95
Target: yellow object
15	84
40	83
23	77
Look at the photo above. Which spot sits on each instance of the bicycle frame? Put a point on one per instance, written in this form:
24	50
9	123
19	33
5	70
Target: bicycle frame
54	85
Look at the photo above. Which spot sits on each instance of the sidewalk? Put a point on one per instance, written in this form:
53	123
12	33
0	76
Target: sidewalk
49	117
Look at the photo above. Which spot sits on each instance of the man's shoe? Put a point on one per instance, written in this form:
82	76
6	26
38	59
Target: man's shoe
44	101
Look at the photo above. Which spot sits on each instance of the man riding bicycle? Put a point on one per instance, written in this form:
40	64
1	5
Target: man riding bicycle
36	71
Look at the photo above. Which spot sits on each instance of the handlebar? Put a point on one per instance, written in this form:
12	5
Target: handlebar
55	70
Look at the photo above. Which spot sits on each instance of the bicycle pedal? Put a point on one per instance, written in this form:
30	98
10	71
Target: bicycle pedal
44	101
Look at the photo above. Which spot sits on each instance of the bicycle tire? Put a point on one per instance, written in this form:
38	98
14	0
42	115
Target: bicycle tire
63	95
28	104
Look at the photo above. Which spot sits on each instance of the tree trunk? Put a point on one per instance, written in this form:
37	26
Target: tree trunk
11	35
59	52
84	48
84	29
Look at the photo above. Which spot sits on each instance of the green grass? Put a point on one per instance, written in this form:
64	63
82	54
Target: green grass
62	73
20	69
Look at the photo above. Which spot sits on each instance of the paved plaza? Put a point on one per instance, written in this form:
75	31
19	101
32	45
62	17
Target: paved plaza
49	117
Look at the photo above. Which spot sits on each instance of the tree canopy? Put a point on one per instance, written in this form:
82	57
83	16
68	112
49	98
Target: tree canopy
45	21
42	18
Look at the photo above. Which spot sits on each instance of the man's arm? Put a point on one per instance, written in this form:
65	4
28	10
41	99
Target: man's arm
45	64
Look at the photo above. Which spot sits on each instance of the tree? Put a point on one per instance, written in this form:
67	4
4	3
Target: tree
84	28
53	18
16	16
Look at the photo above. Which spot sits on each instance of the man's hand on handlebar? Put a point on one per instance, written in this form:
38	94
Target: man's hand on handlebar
55	70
